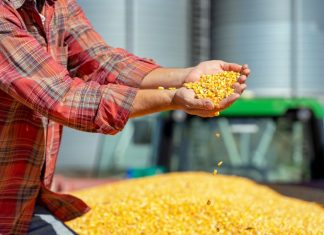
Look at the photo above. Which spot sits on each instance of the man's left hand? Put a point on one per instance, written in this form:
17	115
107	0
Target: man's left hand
217	66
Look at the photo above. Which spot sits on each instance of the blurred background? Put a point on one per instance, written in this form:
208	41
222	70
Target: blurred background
273	135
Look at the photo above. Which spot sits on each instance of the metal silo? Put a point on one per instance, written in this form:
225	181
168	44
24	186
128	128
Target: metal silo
310	39
280	40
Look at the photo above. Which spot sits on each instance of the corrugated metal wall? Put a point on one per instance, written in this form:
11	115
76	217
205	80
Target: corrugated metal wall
282	41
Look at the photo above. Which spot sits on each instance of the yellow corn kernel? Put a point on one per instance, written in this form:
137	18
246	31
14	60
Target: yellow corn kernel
176	204
161	88
215	87
220	163
215	172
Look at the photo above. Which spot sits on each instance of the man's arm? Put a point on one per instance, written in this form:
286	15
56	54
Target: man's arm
92	59
176	77
165	77
31	76
150	101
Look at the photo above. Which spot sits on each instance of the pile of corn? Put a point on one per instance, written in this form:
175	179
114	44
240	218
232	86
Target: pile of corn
195	203
215	87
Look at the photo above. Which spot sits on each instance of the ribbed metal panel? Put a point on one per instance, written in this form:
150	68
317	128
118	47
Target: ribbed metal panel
200	31
311	47
109	18
258	33
154	29
162	31
282	41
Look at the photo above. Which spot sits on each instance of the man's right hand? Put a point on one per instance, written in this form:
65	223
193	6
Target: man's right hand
185	100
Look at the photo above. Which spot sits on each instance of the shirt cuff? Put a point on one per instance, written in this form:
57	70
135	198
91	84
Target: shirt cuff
114	108
133	70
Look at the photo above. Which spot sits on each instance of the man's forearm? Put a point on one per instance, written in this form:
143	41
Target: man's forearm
165	77
149	101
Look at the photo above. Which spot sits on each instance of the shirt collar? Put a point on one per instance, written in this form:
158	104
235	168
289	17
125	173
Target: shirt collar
18	3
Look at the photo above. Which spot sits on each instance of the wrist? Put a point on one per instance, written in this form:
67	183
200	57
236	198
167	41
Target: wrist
185	74
172	104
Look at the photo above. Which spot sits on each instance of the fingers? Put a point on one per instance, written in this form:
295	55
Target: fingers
232	67
242	79
242	69
239	88
245	70
228	101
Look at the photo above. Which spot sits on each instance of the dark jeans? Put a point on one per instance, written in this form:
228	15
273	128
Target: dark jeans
43	222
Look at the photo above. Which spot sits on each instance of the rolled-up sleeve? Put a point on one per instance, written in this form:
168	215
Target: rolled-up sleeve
92	59
31	76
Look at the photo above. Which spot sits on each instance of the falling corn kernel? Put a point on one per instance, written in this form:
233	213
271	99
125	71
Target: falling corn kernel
220	163
176	204
215	172
161	88
217	135
215	87
208	202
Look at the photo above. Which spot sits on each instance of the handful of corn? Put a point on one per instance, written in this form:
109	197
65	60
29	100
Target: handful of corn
215	87
175	203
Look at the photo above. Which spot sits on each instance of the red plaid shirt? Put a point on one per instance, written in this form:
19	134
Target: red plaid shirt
52	73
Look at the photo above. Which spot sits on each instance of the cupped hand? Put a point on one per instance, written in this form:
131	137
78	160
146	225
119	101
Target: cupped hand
185	100
217	66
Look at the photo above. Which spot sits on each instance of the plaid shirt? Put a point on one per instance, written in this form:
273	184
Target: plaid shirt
54	70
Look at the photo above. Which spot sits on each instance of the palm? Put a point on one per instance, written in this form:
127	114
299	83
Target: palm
208	67
185	100
216	66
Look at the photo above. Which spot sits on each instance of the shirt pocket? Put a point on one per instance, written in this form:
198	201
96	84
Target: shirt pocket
60	55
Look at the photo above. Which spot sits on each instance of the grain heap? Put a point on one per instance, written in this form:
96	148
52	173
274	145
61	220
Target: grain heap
176	204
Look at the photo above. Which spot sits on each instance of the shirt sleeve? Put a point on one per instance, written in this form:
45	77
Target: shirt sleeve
91	58
31	76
